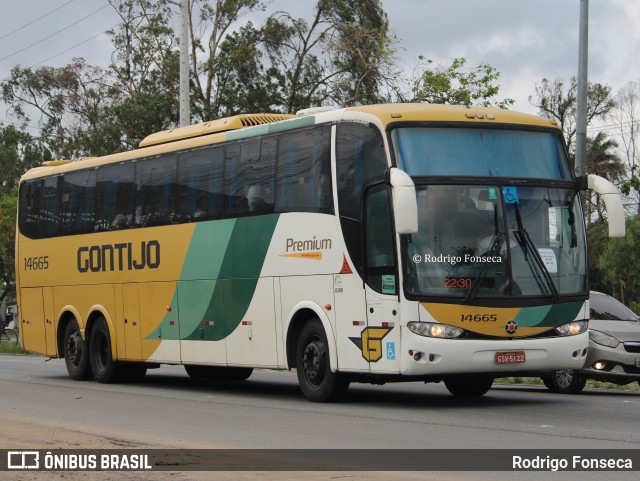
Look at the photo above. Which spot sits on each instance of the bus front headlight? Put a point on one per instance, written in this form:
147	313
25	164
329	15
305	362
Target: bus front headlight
432	329
572	328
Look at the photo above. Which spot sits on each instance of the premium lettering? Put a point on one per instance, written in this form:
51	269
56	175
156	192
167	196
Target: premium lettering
119	257
308	245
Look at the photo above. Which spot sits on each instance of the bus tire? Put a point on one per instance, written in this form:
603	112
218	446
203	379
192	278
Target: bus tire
76	352
218	373
567	381
468	386
316	380
104	368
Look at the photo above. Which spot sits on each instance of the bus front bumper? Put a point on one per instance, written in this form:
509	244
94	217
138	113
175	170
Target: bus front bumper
432	356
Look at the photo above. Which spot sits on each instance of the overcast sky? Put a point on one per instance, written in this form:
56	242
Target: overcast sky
526	40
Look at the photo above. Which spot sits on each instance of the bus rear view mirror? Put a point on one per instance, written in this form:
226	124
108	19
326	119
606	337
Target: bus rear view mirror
612	202
405	204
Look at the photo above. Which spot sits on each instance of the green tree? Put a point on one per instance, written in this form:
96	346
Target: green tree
620	264
70	103
602	160
344	54
19	152
8	205
457	84
626	115
597	241
555	101
362	52
144	66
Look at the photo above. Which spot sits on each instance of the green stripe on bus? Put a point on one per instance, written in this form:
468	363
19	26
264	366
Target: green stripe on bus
220	275
548	316
531	316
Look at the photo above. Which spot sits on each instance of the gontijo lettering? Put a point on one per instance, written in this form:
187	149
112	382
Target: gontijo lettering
119	257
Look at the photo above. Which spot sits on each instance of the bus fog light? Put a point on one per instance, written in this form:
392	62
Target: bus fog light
417	356
432	329
599	365
572	328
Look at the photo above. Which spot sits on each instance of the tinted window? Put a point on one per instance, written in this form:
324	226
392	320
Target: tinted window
260	177
360	161
249	177
379	241
31	196
480	152
235	198
155	191
114	197
303	175
50	212
76	207
200	184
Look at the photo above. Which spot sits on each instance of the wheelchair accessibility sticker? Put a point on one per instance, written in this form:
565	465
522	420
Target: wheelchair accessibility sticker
391	351
510	195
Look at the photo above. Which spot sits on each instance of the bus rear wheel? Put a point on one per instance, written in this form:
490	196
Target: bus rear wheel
316	380
76	352
104	368
468	386
218	373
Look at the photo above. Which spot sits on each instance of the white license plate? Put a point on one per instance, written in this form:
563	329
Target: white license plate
512	357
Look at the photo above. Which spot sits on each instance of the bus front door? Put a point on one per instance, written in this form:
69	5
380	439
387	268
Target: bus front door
380	340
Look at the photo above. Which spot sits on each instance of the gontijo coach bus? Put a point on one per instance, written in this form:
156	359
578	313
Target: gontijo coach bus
367	244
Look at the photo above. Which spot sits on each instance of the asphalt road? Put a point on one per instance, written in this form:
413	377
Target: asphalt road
269	411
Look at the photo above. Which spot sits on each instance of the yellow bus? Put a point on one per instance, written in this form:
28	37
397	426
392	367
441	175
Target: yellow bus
368	244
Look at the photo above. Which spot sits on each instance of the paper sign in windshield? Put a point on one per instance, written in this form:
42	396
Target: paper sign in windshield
549	259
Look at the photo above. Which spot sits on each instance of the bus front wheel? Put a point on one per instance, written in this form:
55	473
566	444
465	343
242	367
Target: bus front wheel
104	368
76	354
468	386
316	380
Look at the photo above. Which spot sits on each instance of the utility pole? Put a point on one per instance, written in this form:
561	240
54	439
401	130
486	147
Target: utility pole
581	114
185	113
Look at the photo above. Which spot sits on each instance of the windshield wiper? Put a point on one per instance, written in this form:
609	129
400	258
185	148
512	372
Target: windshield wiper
494	249
523	238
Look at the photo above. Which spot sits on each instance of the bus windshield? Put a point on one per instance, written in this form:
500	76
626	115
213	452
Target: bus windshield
461	151
492	241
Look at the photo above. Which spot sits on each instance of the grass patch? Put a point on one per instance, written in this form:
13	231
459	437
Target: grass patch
527	381
536	381
11	348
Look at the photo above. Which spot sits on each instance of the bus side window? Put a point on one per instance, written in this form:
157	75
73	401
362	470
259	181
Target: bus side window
200	184
360	162
30	201
260	178
76	208
380	256
235	200
50	212
303	174
155	191
114	196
